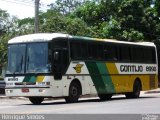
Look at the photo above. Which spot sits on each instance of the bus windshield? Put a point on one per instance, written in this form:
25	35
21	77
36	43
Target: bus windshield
28	58
37	54
16	59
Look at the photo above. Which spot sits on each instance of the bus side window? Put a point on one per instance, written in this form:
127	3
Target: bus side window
100	52
153	55
110	52
75	50
125	54
134	54
149	55
90	51
84	53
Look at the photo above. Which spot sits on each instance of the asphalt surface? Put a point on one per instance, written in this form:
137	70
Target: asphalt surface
2	95
118	108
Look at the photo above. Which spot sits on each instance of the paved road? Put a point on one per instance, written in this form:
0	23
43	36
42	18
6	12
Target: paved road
146	104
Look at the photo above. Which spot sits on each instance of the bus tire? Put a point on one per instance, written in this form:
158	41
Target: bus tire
74	93
136	90
36	100
104	97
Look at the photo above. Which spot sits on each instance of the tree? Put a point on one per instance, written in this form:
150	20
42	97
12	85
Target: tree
3	21
157	6
65	7
25	26
8	29
53	21
111	29
89	12
76	26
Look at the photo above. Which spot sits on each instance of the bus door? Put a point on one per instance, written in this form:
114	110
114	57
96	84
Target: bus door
60	63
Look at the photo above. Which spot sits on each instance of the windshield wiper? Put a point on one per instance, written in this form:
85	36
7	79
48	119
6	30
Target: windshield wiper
27	62
21	63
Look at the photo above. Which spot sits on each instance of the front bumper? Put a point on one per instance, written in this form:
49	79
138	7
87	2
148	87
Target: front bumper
20	92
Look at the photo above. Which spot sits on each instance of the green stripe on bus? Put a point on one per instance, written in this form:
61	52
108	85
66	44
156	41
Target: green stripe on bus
30	78
96	77
106	77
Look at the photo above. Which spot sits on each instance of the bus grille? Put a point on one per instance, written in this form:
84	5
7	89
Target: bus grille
25	83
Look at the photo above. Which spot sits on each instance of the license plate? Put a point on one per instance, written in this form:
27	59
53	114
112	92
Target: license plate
25	90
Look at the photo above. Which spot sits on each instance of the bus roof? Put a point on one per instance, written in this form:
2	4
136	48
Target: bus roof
116	41
39	37
42	37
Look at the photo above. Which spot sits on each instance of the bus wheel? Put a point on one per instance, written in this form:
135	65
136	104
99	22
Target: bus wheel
136	90
36	100
104	97
74	93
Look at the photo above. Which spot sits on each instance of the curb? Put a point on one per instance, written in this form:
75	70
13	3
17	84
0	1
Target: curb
152	92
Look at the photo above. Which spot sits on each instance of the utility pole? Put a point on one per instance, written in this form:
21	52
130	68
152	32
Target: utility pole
36	23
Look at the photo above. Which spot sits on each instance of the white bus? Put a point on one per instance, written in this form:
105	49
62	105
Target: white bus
60	65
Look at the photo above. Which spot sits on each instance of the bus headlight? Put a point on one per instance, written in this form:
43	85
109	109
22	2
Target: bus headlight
9	91
42	90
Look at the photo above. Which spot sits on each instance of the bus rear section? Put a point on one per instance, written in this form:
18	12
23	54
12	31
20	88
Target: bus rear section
117	67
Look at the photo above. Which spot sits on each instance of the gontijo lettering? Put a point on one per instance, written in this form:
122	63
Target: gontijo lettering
131	68
137	68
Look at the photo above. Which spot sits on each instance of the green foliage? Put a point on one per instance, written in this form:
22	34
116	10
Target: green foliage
111	29
157	6
89	13
129	20
132	35
65	7
5	28
25	26
77	27
52	21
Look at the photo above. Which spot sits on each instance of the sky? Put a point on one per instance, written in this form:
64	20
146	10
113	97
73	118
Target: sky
22	8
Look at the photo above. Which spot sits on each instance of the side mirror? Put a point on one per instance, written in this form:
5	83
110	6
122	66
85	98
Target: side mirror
56	56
